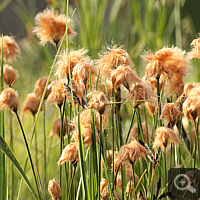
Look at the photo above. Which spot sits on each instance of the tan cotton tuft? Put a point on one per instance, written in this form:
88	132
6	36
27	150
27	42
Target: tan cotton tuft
10	75
51	27
31	104
69	153
165	136
54	189
10	49
40	86
9	99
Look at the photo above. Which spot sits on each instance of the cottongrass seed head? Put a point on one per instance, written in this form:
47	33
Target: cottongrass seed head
131	152
57	94
195	52
56	130
164	136
98	101
74	57
51	27
191	107
40	86
171	113
54	189
9	99
141	93
112	59
10	75
124	75
31	104
69	153
10	48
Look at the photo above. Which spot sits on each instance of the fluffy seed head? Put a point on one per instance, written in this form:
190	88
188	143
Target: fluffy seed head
188	87
40	86
10	75
56	130
164	136
69	153
191	107
9	99
152	106
167	61
57	94
74	57
134	132
10	48
54	189
195	52
112	59
51	27
174	86
171	113
141	93
81	73
124	75
31	104
99	101
131	152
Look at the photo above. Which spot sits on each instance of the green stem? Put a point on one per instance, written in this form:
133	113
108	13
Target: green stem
159	104
133	169
3	181
61	145
100	151
11	146
36	149
69	192
130	127
29	153
45	154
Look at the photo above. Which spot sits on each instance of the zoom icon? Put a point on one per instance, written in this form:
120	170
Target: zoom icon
184	183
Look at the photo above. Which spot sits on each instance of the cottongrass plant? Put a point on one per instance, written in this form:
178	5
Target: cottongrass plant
104	153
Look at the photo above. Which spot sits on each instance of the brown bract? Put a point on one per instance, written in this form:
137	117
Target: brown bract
57	94
112	59
131	152
31	104
72	58
40	86
191	108
98	101
164	136
141	93
171	113
10	75
69	153
54	189
124	75
10	48
51	27
9	99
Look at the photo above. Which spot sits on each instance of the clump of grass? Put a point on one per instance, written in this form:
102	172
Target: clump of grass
109	117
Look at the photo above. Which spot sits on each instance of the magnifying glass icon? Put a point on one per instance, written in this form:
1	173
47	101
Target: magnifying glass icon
181	179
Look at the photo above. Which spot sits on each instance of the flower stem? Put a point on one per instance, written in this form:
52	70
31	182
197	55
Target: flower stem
29	153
